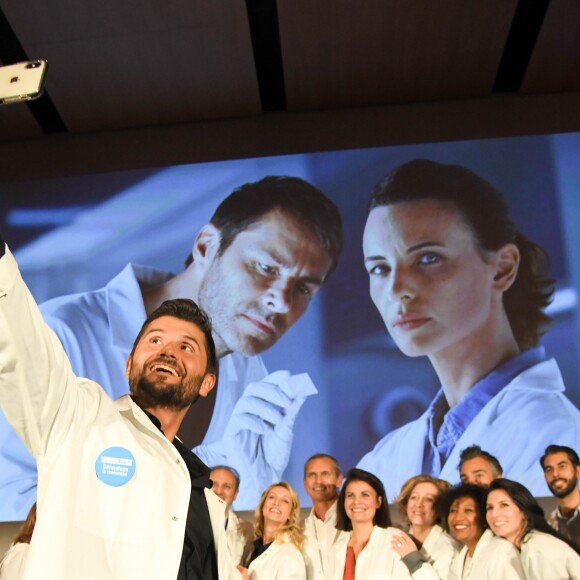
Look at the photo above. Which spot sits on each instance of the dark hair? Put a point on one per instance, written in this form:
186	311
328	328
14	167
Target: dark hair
485	211
291	195
333	460
444	502
529	506
475	451
382	517
233	471
408	487
185	309
551	449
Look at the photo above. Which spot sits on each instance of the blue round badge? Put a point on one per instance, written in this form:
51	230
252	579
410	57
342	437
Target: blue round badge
115	466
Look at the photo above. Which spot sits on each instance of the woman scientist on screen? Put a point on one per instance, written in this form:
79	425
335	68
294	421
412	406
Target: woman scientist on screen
455	281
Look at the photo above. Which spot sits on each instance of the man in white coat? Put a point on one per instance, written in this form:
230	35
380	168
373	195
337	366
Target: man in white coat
322	481
119	496
254	268
226	484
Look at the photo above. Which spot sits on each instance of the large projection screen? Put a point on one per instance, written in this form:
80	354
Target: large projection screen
73	235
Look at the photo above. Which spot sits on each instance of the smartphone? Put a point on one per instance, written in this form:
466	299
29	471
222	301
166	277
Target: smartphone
22	81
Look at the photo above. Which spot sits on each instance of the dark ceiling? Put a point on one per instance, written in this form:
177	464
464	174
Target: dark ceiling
126	64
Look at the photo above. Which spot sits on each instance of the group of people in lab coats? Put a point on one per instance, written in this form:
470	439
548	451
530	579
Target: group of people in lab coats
485	527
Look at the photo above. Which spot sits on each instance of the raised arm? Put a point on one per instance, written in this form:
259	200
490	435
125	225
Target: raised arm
38	389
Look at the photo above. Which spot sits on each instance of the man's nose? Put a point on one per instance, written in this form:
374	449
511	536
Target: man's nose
169	349
278	298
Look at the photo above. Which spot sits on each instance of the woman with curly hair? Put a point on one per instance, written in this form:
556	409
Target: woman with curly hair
365	552
514	514
427	541
455	281
277	553
483	556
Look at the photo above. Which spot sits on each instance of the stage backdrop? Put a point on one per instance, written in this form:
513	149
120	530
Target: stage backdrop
74	234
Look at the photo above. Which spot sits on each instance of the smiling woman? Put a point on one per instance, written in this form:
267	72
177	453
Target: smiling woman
429	549
277	553
366	551
483	556
514	514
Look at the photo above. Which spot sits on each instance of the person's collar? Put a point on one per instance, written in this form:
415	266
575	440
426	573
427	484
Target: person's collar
125	306
152	418
330	513
573	513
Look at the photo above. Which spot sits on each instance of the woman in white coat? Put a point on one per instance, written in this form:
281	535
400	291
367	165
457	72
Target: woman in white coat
454	280
277	553
514	514
365	553
483	556
427	541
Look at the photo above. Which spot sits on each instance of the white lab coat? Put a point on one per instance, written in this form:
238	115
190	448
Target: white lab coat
13	562
281	561
517	425
315	554
97	330
545	557
493	559
87	529
440	549
237	540
377	561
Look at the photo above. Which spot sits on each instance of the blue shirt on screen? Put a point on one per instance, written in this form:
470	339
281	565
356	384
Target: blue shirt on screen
447	425
514	413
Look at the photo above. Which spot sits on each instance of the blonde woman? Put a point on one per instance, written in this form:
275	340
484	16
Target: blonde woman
429	549
277	553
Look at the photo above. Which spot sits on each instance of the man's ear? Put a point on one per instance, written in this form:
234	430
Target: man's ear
128	363
207	384
206	245
507	261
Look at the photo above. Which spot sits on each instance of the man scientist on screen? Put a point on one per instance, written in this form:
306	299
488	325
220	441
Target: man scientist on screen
254	268
454	280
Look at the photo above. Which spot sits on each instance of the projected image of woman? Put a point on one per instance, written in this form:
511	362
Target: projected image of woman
454	280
